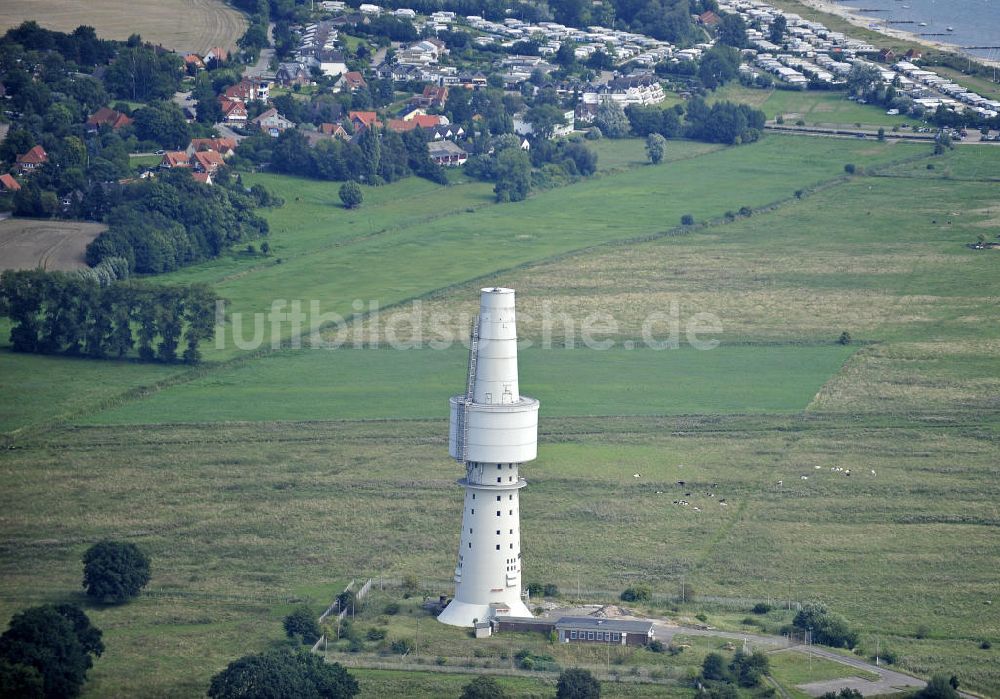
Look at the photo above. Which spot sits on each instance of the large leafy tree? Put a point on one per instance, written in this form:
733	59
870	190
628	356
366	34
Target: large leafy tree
282	673
51	646
301	623
115	571
513	175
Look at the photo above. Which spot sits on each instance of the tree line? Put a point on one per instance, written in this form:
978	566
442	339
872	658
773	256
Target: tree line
69	313
376	158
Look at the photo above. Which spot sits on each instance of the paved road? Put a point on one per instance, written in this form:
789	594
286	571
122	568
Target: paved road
263	64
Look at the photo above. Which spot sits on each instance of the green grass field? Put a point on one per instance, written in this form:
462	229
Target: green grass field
262	481
364	384
814	107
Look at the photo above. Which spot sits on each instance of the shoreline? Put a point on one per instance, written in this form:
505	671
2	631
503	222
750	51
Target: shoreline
855	17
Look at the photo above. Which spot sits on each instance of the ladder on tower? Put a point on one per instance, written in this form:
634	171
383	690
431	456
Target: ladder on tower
462	428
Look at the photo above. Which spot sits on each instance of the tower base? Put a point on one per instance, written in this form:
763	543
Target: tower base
466	614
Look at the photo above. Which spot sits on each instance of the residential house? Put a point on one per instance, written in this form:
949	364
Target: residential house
364	120
223	146
105	116
351	81
709	19
290	74
331	62
193	59
248	90
334	130
8	183
633	89
175	158
216	53
447	153
203	177
34	158
234	112
433	97
207	161
472	81
272	123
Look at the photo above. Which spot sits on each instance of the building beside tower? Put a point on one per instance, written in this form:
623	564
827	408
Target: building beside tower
493	431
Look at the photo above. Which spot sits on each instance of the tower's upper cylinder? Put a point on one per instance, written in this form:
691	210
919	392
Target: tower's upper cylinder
496	366
498	425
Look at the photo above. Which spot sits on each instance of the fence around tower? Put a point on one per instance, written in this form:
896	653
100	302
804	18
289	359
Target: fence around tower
569	592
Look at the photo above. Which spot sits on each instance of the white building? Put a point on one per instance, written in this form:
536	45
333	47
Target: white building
494	429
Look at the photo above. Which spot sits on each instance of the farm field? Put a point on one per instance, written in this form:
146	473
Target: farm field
53	245
205	23
263	481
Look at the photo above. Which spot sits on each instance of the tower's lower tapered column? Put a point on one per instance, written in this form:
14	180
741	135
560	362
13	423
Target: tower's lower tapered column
488	573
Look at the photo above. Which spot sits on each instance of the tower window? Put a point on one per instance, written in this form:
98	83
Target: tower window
498	547
499	478
512	511
510	497
470	544
498	532
473	510
498	498
473	496
498	467
470	530
498	513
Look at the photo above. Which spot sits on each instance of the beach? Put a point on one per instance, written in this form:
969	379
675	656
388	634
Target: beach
857	18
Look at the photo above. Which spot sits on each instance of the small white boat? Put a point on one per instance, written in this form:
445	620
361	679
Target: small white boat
923	24
951	29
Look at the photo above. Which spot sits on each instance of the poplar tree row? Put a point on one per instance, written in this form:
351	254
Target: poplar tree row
66	313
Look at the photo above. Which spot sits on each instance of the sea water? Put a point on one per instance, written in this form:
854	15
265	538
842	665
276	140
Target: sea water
974	22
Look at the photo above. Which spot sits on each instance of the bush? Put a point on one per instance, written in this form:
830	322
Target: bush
687	220
746	211
391	609
761	608
403	646
534	589
985	645
483	687
845	339
702	617
550	590
351	195
114	571
656	646
637	593
827	628
375	634
577	684
850	168
301	623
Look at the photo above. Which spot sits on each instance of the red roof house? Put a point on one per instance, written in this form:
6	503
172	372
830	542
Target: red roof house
34	158
105	116
364	119
8	183
207	161
175	158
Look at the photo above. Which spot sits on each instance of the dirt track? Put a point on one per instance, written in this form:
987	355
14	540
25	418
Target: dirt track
181	25
52	245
